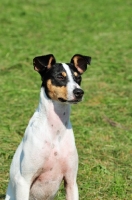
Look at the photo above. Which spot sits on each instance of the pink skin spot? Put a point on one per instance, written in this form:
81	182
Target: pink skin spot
55	153
47	182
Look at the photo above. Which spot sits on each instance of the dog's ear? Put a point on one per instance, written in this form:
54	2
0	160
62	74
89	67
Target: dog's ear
40	63
81	62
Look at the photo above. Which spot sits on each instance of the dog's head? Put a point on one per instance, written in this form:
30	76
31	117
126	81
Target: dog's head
62	80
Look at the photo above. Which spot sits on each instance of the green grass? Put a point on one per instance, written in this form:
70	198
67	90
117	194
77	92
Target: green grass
103	121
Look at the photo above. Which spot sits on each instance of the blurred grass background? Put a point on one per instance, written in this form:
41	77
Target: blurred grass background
102	123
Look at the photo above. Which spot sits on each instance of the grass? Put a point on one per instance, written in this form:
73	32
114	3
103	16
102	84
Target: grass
102	122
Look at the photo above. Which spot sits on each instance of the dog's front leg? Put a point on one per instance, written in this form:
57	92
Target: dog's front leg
24	169
70	175
19	191
71	190
20	182
70	183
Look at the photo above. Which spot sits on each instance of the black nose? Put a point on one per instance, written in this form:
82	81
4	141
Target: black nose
78	93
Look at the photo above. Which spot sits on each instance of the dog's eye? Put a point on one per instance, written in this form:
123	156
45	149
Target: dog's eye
60	77
78	79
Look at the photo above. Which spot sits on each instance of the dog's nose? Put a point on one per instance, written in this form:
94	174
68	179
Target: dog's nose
78	93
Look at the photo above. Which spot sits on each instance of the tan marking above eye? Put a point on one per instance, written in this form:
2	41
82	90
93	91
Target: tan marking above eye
63	74
56	92
75	73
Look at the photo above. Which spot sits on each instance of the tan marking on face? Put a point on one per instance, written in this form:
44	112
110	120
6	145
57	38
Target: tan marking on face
63	74
56	92
75	74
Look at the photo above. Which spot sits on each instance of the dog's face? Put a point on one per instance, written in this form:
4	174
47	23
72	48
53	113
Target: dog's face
62	80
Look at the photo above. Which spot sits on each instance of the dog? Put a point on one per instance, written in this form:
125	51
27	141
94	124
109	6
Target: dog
47	154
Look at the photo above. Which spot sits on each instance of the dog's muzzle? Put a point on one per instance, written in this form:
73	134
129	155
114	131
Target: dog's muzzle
78	94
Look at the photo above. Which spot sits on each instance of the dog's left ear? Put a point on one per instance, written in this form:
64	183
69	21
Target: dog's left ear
42	62
81	62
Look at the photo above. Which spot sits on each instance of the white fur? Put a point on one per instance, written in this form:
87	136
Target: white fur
71	83
47	151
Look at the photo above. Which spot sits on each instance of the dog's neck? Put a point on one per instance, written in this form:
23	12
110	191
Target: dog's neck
55	111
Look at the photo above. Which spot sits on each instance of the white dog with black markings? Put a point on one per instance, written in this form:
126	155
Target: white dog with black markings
47	154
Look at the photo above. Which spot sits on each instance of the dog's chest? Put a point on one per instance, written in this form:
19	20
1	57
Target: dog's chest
60	153
54	165
57	150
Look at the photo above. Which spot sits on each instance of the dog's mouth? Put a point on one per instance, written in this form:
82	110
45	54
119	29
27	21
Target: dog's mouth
74	101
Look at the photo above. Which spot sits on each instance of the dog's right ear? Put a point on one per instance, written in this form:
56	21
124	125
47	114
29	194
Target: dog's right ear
40	63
